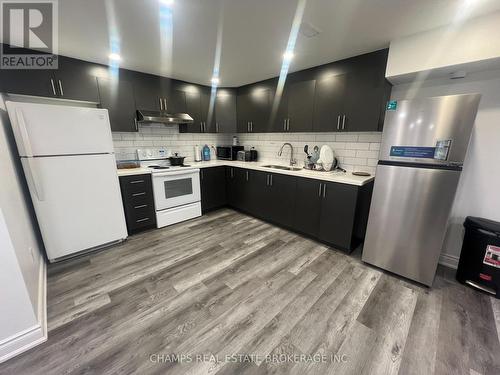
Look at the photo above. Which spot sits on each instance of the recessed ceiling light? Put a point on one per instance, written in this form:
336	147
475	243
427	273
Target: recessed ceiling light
288	55
114	57
215	80
167	2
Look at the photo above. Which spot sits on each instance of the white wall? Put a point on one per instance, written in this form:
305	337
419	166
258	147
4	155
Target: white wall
14	202
22	265
16	312
479	188
456	44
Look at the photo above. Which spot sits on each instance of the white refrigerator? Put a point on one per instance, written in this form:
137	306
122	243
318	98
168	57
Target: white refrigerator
69	163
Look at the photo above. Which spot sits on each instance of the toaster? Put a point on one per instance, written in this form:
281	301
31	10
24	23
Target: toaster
244	156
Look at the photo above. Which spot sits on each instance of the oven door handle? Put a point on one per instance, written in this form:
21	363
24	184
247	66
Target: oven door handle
176	173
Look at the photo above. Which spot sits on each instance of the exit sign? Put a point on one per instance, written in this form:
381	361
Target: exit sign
392	105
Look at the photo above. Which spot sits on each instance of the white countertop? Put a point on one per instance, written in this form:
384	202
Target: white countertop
341	177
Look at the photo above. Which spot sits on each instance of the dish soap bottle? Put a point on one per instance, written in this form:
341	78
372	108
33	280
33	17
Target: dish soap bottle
206	153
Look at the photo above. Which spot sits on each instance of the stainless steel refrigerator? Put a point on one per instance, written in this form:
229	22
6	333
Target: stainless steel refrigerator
421	155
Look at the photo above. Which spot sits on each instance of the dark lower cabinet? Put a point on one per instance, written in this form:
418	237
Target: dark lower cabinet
338	213
138	202
334	213
280	203
213	188
307	206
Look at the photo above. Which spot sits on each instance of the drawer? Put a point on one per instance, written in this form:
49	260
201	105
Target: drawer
136	184
140	217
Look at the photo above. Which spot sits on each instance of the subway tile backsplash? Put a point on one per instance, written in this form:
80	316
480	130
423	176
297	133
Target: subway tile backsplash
355	151
168	136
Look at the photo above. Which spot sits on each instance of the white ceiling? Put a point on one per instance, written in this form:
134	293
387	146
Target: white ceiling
254	32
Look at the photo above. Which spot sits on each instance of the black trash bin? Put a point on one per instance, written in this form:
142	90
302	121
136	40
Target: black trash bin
479	264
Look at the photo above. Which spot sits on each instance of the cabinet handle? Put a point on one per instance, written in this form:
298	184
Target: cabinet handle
338	122
201	126
284	124
319	193
141	220
136	125
271	179
138	194
136	182
343	122
164	104
161	104
141	206
267	180
60	87
288	124
53	86
216	127
324	190
247	175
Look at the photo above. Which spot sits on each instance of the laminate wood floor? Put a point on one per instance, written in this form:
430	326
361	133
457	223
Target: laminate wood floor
229	294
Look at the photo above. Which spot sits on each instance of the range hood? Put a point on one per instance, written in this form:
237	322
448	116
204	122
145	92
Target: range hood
163	117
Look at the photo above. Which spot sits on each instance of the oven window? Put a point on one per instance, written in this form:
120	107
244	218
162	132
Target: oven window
178	188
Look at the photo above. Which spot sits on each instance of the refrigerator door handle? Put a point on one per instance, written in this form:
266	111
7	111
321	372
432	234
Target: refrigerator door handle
32	177
24	133
31	174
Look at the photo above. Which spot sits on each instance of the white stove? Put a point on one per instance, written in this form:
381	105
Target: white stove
176	189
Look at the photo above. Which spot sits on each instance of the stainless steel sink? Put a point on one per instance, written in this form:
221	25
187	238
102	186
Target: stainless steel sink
282	167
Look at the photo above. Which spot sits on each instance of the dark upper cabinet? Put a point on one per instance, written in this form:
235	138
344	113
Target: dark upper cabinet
208	112
329	103
176	101
147	92
225	110
76	79
213	188
244	108
307	206
367	91
193	108
363	99
338	212
28	82
279	116
117	96
253	110
300	106
348	95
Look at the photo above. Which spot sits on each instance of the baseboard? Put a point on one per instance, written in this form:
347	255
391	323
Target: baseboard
35	335
449	260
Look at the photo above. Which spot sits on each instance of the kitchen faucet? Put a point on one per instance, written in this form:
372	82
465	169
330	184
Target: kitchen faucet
292	160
